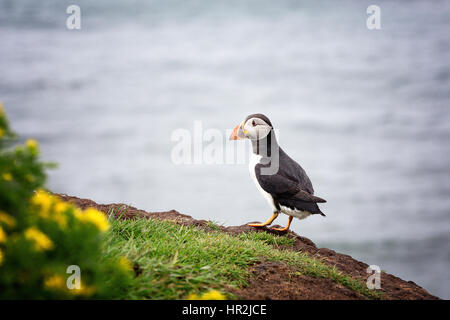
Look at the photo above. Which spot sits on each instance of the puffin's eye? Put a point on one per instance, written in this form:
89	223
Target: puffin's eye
253	123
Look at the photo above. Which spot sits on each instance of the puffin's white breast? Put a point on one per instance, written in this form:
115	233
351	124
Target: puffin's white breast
254	160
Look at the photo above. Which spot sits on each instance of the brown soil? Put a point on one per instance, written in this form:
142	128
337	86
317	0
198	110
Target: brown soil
276	280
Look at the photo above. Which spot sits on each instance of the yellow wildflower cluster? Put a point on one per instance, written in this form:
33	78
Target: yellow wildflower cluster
43	200
55	282
40	239
58	283
83	291
93	216
2	235
7	219
40	229
51	207
210	295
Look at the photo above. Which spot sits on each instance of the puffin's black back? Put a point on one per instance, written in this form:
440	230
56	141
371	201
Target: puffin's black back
293	171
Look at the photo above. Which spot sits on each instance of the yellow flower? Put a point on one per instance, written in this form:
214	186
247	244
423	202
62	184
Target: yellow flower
51	207
2	235
2	132
213	295
55	282
193	296
33	145
7	219
1	257
43	200
91	215
41	241
84	291
210	295
125	264
61	207
7	176
60	220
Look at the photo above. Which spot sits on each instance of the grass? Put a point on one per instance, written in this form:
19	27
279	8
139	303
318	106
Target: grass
268	238
174	260
213	225
117	212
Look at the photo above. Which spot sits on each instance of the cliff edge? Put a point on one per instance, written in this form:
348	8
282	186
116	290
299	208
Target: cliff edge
278	280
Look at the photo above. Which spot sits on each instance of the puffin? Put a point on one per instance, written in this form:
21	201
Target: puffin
282	181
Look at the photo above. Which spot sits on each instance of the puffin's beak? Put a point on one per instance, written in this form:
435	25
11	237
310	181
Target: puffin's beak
238	133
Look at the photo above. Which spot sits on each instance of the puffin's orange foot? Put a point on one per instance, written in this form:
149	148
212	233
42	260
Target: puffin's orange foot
269	221
257	225
285	229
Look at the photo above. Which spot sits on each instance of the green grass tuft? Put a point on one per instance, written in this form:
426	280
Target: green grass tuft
213	225
268	238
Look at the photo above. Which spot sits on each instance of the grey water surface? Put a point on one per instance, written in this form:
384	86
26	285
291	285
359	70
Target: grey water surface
365	112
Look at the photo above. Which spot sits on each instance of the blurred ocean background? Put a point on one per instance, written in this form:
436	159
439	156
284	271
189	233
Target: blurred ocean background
366	113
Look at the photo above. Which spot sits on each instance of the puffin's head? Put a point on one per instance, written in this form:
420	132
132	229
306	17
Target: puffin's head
254	127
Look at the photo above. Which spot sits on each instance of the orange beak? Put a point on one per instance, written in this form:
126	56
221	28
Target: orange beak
237	133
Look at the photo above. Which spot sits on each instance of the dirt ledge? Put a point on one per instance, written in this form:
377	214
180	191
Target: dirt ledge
276	280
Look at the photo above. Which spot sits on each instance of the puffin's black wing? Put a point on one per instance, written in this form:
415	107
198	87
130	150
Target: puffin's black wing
281	186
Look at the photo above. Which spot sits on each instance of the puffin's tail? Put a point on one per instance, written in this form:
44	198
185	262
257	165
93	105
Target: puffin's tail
316	210
321	213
